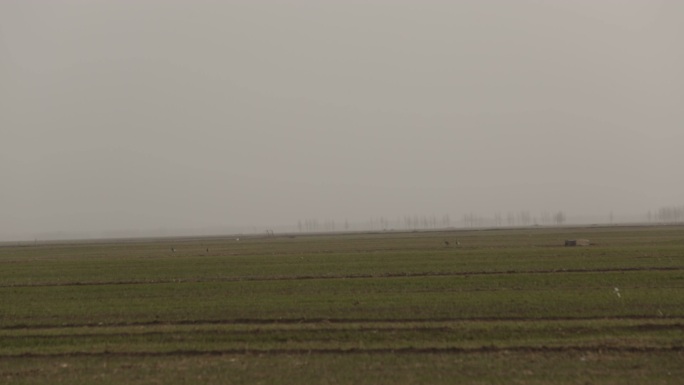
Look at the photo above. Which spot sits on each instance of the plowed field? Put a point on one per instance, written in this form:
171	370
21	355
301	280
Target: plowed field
491	306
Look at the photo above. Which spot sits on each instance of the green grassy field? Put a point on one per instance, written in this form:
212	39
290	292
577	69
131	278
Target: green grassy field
502	306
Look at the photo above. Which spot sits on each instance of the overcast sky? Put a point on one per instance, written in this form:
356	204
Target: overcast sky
141	115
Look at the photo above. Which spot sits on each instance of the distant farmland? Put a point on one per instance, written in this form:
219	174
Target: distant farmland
487	306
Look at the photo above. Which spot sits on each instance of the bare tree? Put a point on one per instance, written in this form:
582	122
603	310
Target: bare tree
559	218
469	220
510	219
545	218
498	221
525	218
670	214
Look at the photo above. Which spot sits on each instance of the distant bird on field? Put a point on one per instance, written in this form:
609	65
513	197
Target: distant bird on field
173	250
446	243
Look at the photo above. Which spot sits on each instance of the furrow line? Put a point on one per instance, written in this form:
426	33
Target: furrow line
349	276
370	351
339	321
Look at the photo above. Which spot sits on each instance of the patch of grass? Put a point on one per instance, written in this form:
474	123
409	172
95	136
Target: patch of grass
504	367
344	336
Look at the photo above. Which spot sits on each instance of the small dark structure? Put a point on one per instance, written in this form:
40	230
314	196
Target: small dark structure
577	242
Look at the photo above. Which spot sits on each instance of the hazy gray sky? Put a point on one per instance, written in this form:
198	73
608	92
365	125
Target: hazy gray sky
188	114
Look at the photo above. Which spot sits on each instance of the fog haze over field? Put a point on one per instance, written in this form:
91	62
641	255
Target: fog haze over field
136	117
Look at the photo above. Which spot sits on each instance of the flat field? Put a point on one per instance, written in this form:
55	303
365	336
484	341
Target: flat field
501	306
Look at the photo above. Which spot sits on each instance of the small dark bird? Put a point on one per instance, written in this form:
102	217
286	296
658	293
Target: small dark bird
446	243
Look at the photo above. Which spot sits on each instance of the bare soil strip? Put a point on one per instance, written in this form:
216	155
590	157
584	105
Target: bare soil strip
350	276
451	350
645	327
341	321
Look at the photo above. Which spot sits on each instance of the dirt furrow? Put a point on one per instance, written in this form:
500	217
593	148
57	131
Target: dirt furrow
339	321
349	276
340	351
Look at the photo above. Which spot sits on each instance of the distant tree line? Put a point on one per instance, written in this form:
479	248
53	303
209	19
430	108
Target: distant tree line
669	214
522	218
426	222
314	225
415	222
512	219
429	222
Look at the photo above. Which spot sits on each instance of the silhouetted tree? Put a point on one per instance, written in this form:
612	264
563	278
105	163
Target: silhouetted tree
559	218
